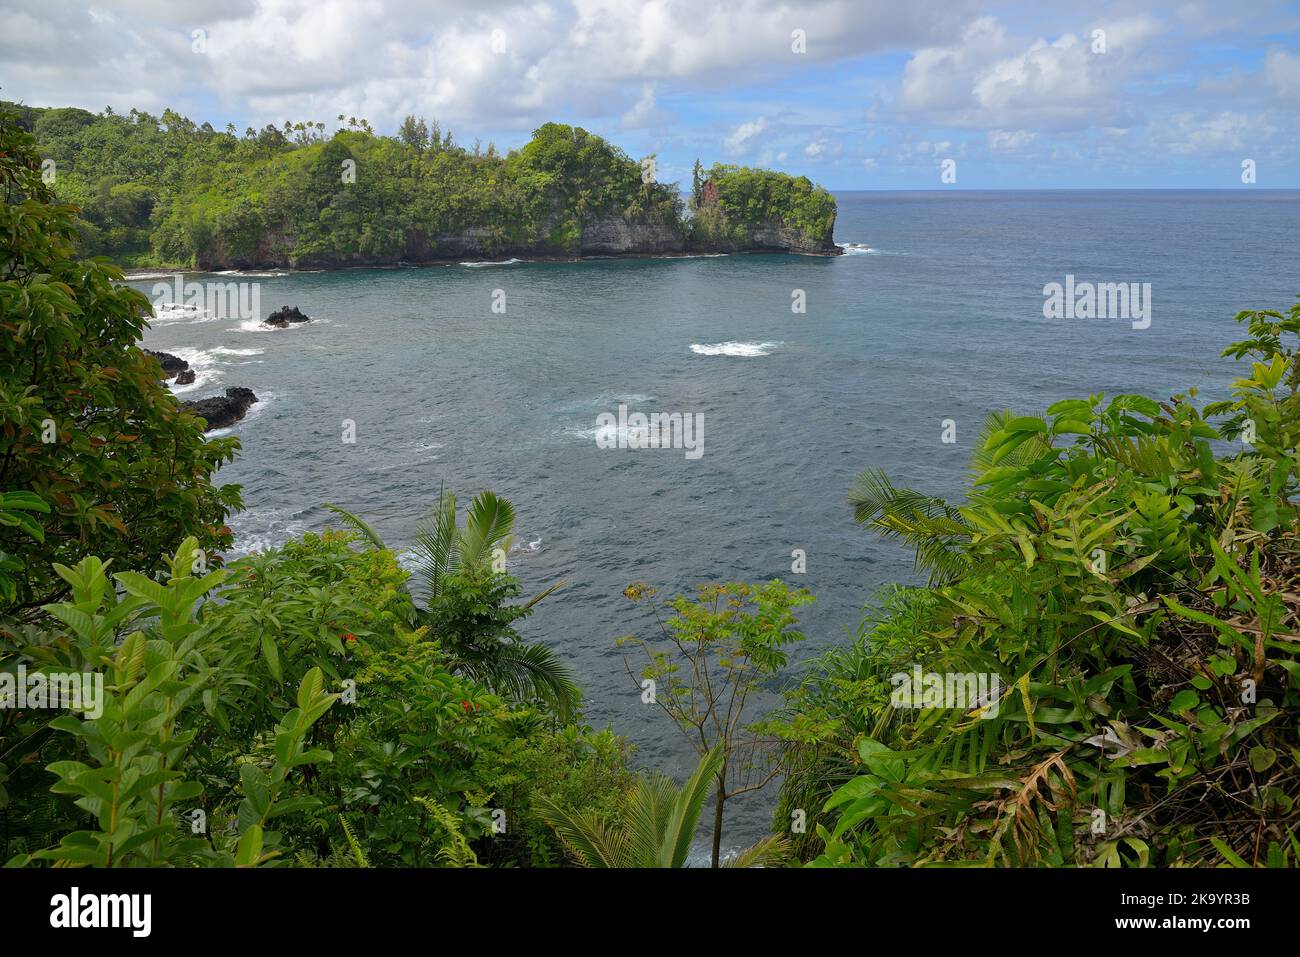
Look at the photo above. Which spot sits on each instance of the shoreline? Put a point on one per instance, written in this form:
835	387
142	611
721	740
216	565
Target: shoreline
150	272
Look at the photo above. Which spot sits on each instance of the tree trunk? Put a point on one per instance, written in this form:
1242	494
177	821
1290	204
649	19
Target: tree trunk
717	821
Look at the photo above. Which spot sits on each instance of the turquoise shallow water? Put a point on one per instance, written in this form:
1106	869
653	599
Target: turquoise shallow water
941	319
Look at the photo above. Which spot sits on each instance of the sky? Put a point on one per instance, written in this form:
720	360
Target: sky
854	94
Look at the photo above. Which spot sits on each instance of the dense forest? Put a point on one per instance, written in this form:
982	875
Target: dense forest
165	192
1126	568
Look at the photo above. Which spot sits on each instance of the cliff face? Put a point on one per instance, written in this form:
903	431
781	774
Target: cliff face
615	236
772	237
606	235
741	211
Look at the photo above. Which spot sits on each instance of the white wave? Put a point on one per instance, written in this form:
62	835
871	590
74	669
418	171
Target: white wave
141	276
251	275
746	349
202	364
626	436
259	529
223	351
505	262
257	325
170	311
858	249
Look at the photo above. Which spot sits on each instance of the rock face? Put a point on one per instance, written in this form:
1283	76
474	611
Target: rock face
600	234
615	236
286	316
172	366
222	411
774	237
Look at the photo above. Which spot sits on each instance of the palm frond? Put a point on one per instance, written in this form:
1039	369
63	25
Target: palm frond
929	525
488	523
591	841
523	670
1028	451
771	850
358	525
656	826
435	545
548	590
685	812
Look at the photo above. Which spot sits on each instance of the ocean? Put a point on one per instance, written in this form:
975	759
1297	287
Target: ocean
936	314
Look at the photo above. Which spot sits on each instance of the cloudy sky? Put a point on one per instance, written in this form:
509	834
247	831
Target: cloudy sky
857	94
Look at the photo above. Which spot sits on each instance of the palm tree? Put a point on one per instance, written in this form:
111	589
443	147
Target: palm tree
656	827
450	560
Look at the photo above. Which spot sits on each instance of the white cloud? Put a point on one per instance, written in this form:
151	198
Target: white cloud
822	147
277	59
645	113
991	80
1010	141
1282	74
741	138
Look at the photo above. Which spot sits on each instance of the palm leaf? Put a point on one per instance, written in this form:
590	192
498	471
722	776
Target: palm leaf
358	525
592	842
548	590
488	523
435	544
929	525
771	850
526	671
685	812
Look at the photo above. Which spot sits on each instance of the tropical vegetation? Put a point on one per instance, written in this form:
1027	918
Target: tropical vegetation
162	191
1123	577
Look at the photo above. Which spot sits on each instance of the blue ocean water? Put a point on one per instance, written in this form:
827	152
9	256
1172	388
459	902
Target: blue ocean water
941	317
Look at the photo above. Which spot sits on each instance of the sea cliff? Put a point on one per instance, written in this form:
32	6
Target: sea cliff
164	192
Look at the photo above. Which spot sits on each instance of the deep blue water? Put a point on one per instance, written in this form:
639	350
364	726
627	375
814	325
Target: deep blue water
942	319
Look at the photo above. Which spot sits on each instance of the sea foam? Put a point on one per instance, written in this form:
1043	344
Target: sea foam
745	349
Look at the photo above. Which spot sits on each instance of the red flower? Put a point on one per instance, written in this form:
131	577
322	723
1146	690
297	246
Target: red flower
348	636
465	705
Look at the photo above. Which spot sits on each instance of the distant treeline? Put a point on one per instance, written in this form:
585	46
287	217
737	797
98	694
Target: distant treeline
164	191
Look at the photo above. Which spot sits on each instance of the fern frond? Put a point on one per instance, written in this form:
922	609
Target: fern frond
357	853
457	852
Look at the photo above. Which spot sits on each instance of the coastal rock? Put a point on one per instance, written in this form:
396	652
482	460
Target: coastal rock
172	366
185	377
616	236
286	316
222	411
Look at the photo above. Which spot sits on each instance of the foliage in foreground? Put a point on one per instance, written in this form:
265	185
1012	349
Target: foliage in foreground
1138	599
96	455
656	827
279	711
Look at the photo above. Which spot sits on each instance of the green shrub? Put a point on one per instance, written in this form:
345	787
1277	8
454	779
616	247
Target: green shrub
89	429
1134	595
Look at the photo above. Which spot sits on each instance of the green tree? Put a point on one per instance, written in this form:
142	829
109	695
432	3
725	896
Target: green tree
88	426
414	132
710	656
461	573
